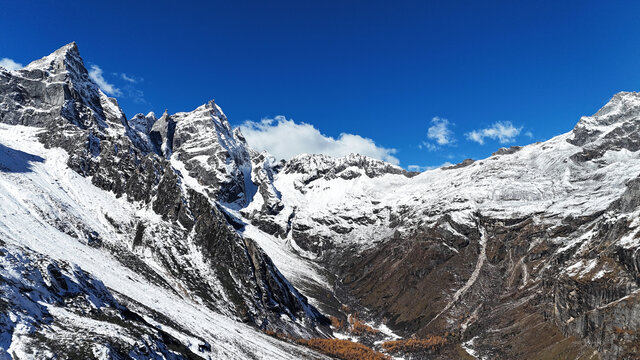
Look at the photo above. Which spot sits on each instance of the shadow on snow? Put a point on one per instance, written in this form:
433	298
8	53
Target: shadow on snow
16	161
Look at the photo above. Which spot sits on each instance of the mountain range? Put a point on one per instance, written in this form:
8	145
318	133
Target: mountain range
170	237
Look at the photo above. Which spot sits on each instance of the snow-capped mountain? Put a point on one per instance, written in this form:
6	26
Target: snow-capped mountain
171	238
534	237
81	191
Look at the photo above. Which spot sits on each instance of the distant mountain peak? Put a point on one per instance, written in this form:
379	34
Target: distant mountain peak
65	58
70	94
316	166
614	126
621	106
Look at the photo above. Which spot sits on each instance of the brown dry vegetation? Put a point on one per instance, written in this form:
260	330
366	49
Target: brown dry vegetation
431	343
337	323
340	349
621	331
343	349
359	328
353	325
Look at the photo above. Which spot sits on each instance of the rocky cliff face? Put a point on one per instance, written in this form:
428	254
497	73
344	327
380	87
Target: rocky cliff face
203	143
176	171
135	230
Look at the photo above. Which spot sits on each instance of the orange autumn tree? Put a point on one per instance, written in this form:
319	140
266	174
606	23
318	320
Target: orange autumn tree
431	343
343	349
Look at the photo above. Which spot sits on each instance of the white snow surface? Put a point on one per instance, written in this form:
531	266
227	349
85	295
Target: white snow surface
36	186
343	205
539	178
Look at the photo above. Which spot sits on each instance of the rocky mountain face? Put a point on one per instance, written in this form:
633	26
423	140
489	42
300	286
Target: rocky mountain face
171	238
527	254
174	235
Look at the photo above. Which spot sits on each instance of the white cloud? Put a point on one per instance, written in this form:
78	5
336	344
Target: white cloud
529	134
439	131
135	94
96	75
429	146
505	132
285	138
130	79
129	90
9	64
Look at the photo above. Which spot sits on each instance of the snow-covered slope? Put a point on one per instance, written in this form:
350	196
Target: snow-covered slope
83	188
47	212
345	206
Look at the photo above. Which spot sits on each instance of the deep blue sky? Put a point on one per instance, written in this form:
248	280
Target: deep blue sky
380	69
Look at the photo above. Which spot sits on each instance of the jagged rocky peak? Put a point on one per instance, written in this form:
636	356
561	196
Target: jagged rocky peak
143	123
57	90
204	144
204	127
264	169
161	134
195	249
622	106
64	59
346	167
615	126
139	131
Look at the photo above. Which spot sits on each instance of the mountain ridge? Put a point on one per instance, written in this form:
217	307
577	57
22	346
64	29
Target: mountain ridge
541	236
187	247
